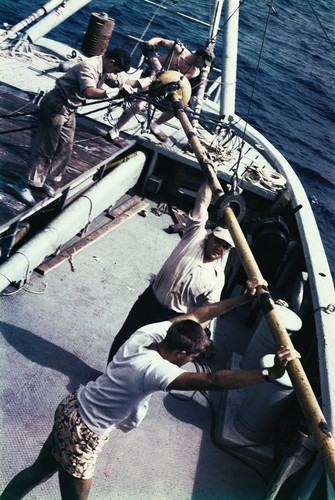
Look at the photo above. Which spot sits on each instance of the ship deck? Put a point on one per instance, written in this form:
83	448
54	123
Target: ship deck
58	328
56	334
92	156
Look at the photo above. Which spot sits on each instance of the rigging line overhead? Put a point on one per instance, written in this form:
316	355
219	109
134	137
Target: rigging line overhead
205	70
270	7
179	13
228	19
160	6
321	26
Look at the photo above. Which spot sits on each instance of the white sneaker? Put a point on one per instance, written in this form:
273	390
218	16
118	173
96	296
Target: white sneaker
23	193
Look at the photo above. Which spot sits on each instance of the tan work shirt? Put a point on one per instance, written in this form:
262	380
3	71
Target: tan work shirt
185	281
88	73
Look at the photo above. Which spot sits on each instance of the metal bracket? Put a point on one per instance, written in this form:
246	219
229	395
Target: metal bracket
233	201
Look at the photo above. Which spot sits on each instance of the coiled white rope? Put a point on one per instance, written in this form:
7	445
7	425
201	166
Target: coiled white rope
269	178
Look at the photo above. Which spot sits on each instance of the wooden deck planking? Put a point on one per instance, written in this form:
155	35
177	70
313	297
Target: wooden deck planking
90	152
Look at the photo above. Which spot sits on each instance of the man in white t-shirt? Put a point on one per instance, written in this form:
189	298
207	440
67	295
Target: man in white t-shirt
148	362
192	276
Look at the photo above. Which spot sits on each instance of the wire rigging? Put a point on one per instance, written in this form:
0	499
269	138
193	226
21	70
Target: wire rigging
234	177
148	26
321	26
270	5
225	23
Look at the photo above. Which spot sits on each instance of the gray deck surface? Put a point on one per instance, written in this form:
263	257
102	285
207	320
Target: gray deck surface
57	334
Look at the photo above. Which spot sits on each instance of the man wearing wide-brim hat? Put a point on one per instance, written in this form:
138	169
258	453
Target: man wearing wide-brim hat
193	275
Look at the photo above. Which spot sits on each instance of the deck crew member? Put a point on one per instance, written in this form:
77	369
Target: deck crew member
152	360
53	141
179	58
193	275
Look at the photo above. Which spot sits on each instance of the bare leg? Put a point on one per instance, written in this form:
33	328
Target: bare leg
155	125
42	469
73	488
165	117
129	113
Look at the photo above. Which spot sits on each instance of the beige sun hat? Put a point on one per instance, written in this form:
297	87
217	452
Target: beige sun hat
223	234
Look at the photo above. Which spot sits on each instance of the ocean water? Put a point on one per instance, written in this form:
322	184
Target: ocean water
292	53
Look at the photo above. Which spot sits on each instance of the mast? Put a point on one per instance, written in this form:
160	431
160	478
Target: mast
229	57
214	28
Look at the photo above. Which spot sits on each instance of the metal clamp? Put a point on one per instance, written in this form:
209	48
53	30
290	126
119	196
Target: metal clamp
233	201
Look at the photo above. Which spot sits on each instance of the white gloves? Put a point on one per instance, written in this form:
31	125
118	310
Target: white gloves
125	90
145	82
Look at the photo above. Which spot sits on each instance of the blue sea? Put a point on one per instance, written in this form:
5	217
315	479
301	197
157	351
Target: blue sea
293	101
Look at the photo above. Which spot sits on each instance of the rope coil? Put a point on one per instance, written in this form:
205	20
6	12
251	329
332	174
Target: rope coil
269	178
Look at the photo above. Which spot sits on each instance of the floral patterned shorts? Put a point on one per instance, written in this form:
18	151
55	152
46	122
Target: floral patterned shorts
76	447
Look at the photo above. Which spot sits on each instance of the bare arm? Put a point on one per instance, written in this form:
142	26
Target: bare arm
223	379
233	379
157	40
178	45
154	60
94	93
202	201
207	312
